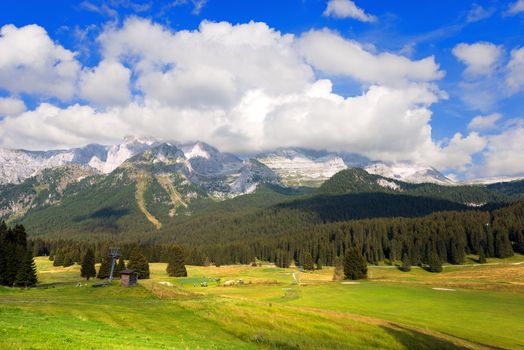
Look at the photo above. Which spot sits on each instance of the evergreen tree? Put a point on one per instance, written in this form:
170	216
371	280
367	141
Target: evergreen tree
68	261
105	269
338	273
307	261
26	275
482	257
139	263
121	265
355	266
319	264
3	253
88	269
503	248
406	263
435	265
59	259
176	266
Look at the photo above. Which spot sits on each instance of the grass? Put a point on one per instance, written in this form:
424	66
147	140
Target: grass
392	310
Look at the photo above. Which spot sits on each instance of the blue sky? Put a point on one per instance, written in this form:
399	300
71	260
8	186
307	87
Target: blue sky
475	72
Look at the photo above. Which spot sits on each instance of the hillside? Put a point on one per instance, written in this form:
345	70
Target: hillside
359	181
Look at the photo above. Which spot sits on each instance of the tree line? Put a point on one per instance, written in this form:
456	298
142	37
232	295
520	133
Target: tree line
17	267
426	241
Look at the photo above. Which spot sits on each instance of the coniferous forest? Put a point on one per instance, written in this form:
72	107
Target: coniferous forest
17	267
441	236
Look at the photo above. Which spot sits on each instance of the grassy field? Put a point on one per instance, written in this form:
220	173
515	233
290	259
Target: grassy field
481	307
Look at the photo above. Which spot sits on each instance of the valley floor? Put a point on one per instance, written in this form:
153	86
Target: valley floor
464	307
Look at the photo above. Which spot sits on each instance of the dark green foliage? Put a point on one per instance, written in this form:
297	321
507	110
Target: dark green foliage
338	273
59	259
277	238
357	180
120	266
68	261
282	258
139	263
319	264
176	266
13	251
514	189
26	275
355	267
482	257
306	260
406	263
434	264
105	269
88	269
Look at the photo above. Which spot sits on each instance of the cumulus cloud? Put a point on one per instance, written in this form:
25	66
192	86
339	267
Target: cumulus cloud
32	63
515	73
504	154
484	122
11	106
347	9
330	53
480	58
248	87
106	85
458	152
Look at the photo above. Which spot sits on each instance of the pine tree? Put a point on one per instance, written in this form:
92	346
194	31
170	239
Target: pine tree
338	273
307	261
59	259
26	275
176	266
121	265
88	269
139	263
105	269
68	261
482	256
3	253
355	266
503	247
435	265
319	265
406	263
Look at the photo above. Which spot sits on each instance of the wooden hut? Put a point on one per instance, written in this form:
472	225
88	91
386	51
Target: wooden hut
128	278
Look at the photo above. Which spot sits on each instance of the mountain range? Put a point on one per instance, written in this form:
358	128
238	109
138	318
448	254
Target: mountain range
147	184
294	166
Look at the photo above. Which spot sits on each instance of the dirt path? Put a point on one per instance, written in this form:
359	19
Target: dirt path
142	182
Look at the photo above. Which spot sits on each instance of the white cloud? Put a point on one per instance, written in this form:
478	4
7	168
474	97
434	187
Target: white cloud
457	154
504	154
248	87
106	85
252	55
515	70
478	13
31	63
484	122
516	7
480	58
11	106
335	55
347	9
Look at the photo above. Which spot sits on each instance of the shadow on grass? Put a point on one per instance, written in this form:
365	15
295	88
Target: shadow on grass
415	340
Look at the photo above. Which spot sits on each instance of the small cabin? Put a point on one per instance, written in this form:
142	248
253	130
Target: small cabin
128	278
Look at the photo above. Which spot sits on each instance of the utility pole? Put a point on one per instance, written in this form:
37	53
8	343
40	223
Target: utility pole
114	253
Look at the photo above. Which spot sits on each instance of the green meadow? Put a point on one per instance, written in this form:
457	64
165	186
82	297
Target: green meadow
464	307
